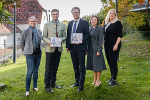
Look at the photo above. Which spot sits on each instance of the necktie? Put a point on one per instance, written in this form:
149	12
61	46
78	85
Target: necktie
56	30
74	27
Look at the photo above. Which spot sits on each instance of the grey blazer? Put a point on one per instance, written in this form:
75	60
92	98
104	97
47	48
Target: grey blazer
96	37
26	41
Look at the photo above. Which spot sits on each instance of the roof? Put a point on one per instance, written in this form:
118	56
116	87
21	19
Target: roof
28	8
7	29
142	6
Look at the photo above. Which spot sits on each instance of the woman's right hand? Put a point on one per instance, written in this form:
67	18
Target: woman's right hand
97	53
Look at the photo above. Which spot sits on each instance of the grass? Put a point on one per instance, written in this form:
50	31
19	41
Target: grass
133	78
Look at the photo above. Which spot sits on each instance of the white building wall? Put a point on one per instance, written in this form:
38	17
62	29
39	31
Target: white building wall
22	26
45	19
9	40
2	38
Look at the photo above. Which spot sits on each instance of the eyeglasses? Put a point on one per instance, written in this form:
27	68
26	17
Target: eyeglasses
75	12
54	14
32	21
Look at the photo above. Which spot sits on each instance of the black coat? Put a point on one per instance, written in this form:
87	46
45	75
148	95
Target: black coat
113	31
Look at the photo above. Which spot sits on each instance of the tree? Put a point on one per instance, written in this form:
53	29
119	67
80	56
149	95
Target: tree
133	19
5	16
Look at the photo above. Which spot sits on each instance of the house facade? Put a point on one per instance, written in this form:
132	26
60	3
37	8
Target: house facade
142	6
6	35
26	9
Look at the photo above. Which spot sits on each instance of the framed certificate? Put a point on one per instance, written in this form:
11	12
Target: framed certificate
76	38
55	42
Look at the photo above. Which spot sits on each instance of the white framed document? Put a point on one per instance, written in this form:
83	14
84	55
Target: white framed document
55	42
76	38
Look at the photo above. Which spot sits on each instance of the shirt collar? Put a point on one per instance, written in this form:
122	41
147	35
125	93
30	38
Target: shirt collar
77	20
31	27
95	27
55	21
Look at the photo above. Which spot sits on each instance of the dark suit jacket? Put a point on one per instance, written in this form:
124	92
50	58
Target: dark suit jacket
83	27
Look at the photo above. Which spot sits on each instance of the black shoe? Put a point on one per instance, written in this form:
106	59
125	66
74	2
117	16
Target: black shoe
112	83
79	90
49	90
74	85
56	86
109	80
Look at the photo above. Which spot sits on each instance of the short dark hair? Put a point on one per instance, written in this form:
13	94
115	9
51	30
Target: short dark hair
53	10
75	8
96	18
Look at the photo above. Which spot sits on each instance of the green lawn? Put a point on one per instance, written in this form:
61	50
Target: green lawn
133	78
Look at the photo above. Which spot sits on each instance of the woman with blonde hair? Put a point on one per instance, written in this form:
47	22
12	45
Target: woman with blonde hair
112	44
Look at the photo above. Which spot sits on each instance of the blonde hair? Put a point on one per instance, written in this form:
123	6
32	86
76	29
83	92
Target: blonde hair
107	19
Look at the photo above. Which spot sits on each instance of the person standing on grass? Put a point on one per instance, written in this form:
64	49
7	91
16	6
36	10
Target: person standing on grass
76	27
53	29
31	48
95	58
112	44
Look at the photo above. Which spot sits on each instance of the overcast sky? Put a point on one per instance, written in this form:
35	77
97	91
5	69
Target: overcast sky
86	6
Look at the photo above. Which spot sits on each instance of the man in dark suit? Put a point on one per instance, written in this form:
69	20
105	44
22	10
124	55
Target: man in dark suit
78	50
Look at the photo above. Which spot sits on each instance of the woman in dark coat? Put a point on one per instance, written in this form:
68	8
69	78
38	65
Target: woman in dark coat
113	35
95	59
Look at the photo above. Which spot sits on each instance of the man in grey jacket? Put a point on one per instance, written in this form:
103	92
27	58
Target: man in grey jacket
53	29
31	48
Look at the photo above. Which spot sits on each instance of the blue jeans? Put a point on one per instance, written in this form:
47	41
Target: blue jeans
33	62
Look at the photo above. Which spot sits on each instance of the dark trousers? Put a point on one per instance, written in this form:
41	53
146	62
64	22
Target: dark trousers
33	62
78	60
51	67
112	58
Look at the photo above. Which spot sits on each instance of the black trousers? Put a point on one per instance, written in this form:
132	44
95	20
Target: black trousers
78	60
112	58
51	67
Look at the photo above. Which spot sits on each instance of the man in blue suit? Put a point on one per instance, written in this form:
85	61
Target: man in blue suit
78	50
